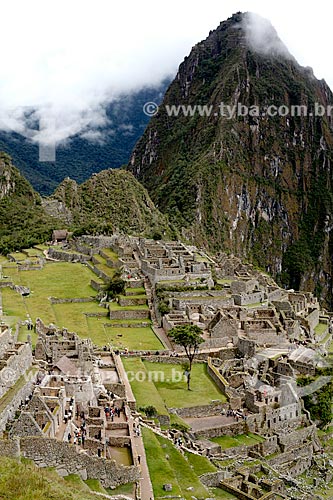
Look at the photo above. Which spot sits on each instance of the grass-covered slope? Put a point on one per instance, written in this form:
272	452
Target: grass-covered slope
24	481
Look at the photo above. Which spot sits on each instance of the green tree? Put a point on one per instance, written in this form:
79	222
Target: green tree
116	286
190	338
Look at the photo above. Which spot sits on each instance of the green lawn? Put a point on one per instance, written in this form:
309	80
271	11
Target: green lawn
240	440
143	389
95	485
109	271
168	465
72	316
59	279
141	296
99	258
23	335
146	382
71	280
33	252
199	464
13	304
175	393
18	256
321	328
117	322
133	338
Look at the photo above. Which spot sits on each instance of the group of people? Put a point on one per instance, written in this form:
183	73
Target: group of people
112	412
178	441
81	433
136	428
69	413
79	436
237	414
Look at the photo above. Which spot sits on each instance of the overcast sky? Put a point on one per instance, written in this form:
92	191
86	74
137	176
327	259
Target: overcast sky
67	58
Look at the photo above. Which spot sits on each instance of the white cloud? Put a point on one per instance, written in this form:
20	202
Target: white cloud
66	59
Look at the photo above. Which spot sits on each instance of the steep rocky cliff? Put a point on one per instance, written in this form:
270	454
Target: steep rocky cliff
259	186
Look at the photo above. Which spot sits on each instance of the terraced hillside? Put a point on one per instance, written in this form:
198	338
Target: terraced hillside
67	294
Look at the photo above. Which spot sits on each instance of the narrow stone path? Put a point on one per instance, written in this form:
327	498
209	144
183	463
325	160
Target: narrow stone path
145	482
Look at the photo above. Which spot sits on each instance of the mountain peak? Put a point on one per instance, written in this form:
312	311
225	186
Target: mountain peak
248	183
245	30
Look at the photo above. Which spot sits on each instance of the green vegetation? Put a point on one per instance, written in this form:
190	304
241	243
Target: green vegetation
321	328
95	485
64	280
133	338
114	306
144	391
23	222
125	489
163	385
115	287
240	440
24	481
173	388
23	335
56	279
319	404
167	465
200	464
190	338
111	200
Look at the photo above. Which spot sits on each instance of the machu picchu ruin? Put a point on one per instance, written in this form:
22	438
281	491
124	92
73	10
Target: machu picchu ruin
89	401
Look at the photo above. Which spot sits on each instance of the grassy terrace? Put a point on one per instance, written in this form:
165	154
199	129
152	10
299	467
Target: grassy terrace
117	322
199	464
175	394
109	253
145	392
60	279
164	386
109	271
18	256
72	280
175	469
33	252
240	440
141	338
